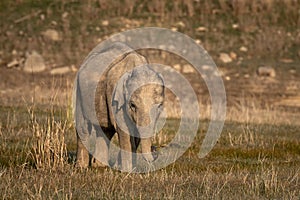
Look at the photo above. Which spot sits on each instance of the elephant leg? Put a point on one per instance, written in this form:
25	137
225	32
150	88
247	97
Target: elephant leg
126	148
101	154
134	145
82	160
146	149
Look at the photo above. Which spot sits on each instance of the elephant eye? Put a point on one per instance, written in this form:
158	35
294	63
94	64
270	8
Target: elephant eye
132	106
160	105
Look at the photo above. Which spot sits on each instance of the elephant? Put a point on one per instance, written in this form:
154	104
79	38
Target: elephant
128	100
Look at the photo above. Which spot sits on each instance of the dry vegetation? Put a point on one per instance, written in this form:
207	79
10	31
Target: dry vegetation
258	154
252	160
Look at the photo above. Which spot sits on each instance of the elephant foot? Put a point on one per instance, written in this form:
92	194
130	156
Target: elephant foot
82	159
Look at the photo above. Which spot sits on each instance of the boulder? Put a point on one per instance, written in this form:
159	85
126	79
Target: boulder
233	55
201	29
13	63
34	63
266	71
60	70
52	34
243	49
187	69
177	67
225	58
105	23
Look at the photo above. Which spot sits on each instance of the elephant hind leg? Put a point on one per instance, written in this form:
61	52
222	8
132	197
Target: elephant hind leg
101	154
82	160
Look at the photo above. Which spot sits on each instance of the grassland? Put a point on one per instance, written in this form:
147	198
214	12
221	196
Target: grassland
258	154
251	160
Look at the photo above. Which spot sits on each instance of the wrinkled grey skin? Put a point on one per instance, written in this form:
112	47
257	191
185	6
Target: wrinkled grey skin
128	101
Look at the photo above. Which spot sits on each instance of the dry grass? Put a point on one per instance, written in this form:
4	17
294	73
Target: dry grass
49	147
251	160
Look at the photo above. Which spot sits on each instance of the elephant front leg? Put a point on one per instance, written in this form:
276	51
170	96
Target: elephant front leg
104	136
100	156
82	159
146	149
126	148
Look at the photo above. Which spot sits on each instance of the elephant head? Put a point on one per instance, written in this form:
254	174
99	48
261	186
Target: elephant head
139	95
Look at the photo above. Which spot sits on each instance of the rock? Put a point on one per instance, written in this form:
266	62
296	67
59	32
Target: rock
34	63
174	29
42	17
60	70
105	23
13	63
52	34
292	71
236	75
180	24
163	54
222	71
177	67
225	58
187	69
266	71
286	60
54	23
206	67
233	55
201	29
73	68
14	52
235	26
198	41
243	49
65	15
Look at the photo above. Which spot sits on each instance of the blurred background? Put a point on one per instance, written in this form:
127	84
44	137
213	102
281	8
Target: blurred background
267	30
255	44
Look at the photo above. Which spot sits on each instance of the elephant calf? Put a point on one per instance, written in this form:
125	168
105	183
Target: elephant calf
124	97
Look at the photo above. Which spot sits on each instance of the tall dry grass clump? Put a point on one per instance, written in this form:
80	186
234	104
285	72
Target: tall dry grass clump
48	148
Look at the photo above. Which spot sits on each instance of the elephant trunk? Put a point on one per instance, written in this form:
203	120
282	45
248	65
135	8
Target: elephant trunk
145	134
146	125
146	149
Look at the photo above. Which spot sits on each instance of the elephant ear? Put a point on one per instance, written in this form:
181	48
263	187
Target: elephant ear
119	96
128	62
161	77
